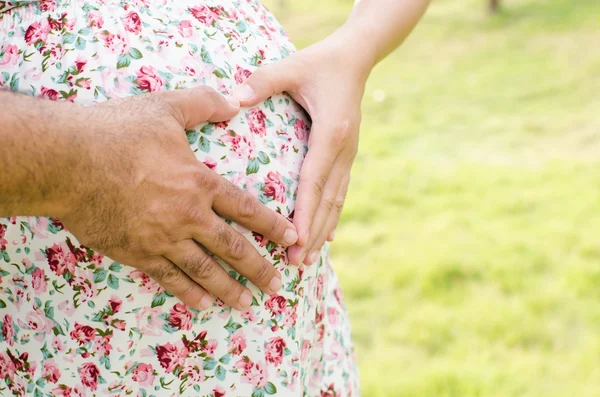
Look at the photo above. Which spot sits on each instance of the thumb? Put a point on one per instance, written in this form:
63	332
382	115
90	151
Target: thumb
265	82
193	106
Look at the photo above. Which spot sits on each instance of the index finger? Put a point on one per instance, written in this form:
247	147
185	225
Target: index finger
233	203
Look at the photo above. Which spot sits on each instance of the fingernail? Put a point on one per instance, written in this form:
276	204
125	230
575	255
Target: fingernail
243	92
313	256
232	101
245	300
290	237
206	302
275	284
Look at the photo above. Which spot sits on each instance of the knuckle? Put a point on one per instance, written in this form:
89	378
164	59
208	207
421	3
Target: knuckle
238	248
247	207
229	289
329	203
338	205
319	184
204	179
263	273
171	276
202	267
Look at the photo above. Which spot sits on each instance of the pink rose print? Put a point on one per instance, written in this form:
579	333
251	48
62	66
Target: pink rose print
7	329
37	32
305	350
256	121
3	241
274	350
242	147
241	74
193	369
149	321
132	22
170	357
48	93
115	43
255	373
219	391
274	187
60	259
300	129
9	55
47	5
39	282
50	371
180	317
210	163
7	366
237	343
83	333
62	391
276	304
115	304
143	374
89	375
330	392
148	79
185	29
204	14
95	19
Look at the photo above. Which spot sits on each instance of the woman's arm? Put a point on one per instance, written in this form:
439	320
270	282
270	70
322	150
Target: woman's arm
328	80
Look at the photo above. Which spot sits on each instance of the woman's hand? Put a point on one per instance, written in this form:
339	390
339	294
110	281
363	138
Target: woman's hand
328	80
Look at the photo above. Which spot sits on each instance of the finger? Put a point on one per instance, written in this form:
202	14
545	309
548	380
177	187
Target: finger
204	270
331	236
326	205
174	280
267	81
313	178
193	106
328	231
233	248
233	203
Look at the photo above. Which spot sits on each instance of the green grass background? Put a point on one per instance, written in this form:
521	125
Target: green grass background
469	249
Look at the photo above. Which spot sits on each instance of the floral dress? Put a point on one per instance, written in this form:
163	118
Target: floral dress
75	323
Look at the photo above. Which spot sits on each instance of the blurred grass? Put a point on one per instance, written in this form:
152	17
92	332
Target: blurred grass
469	250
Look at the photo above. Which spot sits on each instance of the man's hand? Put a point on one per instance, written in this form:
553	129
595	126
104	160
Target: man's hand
137	194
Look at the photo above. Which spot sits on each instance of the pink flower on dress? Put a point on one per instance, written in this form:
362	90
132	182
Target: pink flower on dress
194	371
219	391
256	121
149	321
10	56
180	317
83	333
37	321
96	19
48	93
7	366
210	347
50	371
115	303
276	304
255	374
143	374
242	147
170	357
132	22
7	329
185	29
300	129
330	392
210	163
102	345
274	350
115	43
47	5
204	14
241	74
305	350
89	375
237	342
3	241
60	259
274	187
147	285
148	79
37	32
38	281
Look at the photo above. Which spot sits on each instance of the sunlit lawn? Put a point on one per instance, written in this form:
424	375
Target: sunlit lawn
469	250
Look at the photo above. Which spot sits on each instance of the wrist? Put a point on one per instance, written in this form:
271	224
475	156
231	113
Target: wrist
345	41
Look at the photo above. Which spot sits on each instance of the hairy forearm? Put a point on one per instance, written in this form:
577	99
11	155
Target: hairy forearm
40	150
377	27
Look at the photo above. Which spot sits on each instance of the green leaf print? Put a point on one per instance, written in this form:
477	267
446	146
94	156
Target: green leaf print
258	393
115	267
220	373
204	144
123	61
209	364
99	275
263	158
241	26
205	56
113	282
192	136
252	167
2	304
225	359
135	53
270	388
80	43
69	38
269	104
158	300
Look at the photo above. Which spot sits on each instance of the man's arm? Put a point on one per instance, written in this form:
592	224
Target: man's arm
41	153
